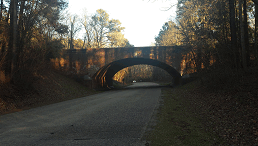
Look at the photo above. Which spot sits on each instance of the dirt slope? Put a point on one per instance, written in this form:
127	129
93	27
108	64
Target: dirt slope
49	87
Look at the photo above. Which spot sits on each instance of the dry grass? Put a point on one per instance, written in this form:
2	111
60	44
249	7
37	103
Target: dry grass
177	125
224	105
48	88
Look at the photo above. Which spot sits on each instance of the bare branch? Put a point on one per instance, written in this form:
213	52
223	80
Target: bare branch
256	2
168	8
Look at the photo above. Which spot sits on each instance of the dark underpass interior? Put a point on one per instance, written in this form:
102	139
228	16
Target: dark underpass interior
103	77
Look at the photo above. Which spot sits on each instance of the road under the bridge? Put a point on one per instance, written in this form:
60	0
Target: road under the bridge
103	78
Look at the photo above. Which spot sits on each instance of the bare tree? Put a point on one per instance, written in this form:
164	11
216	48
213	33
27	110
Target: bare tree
243	43
246	33
102	27
2	3
233	29
256	31
12	39
74	28
28	23
89	36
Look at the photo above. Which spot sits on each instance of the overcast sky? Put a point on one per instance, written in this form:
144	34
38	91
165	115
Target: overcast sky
142	19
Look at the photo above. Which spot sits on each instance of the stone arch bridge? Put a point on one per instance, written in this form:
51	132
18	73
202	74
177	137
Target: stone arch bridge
102	64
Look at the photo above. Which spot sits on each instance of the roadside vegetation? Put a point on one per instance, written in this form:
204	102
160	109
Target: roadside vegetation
221	51
177	125
223	112
33	33
49	87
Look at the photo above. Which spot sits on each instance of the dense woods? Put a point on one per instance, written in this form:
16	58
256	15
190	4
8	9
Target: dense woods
221	47
27	37
34	31
218	34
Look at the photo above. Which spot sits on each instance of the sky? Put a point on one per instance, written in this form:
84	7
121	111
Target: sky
142	19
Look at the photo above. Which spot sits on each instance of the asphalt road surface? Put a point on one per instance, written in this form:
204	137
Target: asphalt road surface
143	85
106	119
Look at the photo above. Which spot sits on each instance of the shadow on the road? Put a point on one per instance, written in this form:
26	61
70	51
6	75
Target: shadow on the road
144	87
134	87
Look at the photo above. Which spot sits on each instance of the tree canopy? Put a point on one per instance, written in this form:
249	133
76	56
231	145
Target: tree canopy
211	30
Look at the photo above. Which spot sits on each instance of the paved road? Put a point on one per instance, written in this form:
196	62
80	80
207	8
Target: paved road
143	84
106	119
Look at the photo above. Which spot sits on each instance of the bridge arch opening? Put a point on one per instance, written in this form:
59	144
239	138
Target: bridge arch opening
103	77
142	73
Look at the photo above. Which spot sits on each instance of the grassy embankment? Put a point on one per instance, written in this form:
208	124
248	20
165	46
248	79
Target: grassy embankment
177	125
48	88
221	109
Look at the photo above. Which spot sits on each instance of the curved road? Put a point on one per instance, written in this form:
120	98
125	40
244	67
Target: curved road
105	119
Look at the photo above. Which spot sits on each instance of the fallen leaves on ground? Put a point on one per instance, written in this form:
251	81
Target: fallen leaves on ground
50	87
231	112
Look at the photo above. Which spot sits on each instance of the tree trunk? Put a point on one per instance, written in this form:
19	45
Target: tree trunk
198	60
255	32
71	42
233	29
20	34
11	61
71	48
246	33
2	3
243	43
2	44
